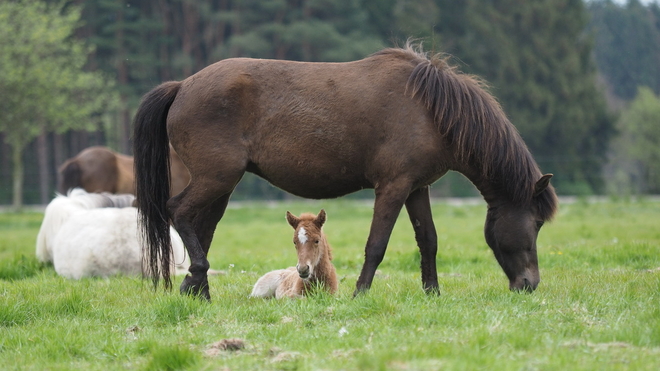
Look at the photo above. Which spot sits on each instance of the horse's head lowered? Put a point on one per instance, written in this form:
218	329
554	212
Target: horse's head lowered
309	240
511	231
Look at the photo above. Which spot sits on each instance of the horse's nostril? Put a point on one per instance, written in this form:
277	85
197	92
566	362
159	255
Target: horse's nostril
528	286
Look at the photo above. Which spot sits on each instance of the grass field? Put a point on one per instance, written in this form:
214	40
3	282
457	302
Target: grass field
597	307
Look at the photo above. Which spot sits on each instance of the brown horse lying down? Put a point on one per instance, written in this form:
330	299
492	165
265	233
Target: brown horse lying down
314	268
100	169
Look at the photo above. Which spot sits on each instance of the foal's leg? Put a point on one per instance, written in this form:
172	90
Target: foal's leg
387	206
418	205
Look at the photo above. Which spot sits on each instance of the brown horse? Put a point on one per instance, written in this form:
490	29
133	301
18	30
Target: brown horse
100	169
395	121
314	268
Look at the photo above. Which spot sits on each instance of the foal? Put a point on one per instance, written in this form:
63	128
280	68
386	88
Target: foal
314	266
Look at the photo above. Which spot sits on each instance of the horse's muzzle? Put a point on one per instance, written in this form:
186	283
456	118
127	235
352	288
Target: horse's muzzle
526	282
303	271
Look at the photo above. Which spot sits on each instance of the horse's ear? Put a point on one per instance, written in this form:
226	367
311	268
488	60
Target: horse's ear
292	219
542	184
320	219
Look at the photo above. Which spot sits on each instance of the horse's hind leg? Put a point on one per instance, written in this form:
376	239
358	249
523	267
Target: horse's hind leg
418	205
195	213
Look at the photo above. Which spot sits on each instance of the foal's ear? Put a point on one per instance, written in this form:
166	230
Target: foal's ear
320	219
292	219
542	184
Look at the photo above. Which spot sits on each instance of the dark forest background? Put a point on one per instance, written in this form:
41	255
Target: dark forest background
580	80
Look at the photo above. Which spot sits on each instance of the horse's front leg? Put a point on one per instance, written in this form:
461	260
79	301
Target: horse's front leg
418	205
387	206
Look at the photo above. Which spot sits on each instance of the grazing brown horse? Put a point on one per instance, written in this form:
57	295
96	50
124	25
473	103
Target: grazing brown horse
395	121
100	169
314	268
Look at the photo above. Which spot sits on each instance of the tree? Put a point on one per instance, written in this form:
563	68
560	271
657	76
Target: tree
303	30
42	81
627	45
538	60
635	161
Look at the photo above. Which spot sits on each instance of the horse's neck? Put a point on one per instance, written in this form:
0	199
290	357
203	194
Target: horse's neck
324	270
324	274
492	194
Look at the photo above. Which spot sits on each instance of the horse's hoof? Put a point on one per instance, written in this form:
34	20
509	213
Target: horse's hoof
432	291
190	288
360	291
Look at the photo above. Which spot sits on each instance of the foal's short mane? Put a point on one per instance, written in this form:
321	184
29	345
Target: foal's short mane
473	122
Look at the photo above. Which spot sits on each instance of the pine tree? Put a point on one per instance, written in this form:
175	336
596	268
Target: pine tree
627	48
537	59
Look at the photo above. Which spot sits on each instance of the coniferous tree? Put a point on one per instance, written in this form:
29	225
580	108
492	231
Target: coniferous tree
537	59
627	45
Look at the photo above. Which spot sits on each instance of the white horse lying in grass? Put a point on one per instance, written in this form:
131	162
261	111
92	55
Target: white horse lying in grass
96	235
314	268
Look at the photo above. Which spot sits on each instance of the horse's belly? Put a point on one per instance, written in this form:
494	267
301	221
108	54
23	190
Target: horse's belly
314	183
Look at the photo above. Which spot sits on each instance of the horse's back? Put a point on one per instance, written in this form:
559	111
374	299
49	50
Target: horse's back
98	243
125	182
93	169
57	213
291	285
300	124
271	283
104	242
69	175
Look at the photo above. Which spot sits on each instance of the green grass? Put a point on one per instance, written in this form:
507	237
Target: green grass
597	307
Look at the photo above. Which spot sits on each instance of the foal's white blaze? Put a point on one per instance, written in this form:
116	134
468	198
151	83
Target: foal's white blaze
302	235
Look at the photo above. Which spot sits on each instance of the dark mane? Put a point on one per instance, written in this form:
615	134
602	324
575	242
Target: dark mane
473	122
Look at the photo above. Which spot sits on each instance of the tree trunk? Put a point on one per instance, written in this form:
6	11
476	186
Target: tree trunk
58	149
124	145
44	171
189	46
17	176
166	65
306	47
278	44
122	76
5	163
236	30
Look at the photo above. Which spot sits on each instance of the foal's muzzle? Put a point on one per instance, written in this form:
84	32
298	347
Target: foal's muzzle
303	271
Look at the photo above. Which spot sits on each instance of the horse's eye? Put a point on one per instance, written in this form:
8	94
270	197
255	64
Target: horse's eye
316	242
539	224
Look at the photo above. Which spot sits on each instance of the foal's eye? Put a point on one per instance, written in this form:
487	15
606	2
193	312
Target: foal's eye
316	242
539	224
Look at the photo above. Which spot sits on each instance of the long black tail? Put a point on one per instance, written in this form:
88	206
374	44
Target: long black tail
152	179
69	177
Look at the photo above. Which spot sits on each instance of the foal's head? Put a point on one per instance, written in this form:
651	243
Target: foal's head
310	242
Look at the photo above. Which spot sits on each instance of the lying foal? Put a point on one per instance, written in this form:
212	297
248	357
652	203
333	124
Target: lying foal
314	266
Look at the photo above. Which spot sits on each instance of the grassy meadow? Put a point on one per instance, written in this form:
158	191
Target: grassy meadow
597	307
